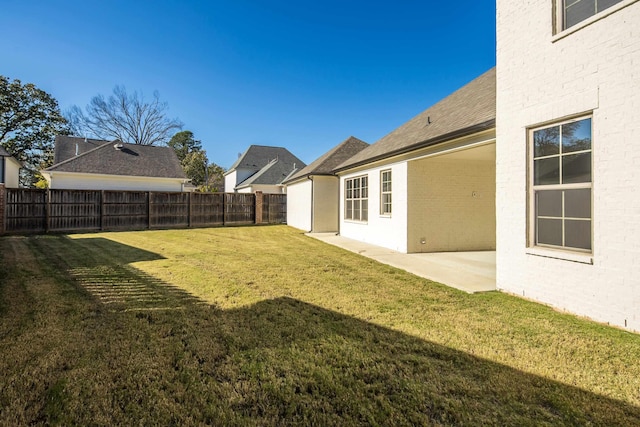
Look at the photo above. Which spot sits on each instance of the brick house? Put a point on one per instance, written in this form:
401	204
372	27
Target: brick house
568	127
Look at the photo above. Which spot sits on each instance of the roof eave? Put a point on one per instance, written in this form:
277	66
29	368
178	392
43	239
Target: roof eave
489	124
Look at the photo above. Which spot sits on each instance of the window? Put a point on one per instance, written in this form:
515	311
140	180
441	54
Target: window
356	199
560	185
385	192
576	11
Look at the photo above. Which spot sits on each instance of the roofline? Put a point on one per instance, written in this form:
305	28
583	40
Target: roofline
306	175
107	175
489	124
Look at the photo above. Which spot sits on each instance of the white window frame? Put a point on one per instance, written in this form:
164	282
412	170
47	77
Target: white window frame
559	28
533	189
356	198
386	198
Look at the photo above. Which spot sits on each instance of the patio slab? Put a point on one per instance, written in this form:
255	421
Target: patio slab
467	271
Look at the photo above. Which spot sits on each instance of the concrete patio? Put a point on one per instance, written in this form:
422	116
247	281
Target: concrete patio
467	271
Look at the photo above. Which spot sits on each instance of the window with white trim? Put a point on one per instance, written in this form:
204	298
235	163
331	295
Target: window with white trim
573	12
356	203
385	192
560	185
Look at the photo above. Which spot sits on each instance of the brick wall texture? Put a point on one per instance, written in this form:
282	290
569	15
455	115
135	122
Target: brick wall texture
542	78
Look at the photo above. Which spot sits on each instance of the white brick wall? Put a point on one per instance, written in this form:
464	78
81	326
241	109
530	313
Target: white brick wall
541	78
451	205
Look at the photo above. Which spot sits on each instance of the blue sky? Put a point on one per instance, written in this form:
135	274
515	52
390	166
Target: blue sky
297	74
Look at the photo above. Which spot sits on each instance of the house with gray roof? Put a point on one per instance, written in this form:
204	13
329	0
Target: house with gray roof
262	168
9	169
428	186
113	165
312	192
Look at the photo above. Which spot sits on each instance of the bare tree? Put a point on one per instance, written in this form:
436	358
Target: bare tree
128	118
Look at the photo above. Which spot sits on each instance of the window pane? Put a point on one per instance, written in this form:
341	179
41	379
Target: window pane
549	203
549	232
349	214
356	209
578	12
546	171
605	4
577	203
546	142
365	210
577	234
576	168
576	136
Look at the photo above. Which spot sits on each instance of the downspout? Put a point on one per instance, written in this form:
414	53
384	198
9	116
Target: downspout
310	178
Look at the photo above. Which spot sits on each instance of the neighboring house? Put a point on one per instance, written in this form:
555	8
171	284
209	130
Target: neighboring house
568	156
428	186
261	168
312	193
9	169
113	165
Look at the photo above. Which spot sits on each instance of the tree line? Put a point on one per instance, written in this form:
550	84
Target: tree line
30	118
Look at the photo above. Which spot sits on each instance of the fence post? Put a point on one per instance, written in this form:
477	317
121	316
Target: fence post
148	209
224	209
47	210
3	209
101	210
259	196
189	210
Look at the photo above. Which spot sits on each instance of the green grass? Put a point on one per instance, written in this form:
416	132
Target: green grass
265	326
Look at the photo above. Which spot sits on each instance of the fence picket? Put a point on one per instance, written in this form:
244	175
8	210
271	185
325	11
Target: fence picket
37	211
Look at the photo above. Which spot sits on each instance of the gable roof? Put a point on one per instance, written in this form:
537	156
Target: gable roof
3	152
274	173
325	164
129	160
67	147
258	156
468	110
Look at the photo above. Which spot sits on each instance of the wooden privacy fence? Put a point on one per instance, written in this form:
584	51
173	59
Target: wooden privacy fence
38	211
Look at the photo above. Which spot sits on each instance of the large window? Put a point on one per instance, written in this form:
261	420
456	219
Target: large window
576	11
356	195
385	192
560	185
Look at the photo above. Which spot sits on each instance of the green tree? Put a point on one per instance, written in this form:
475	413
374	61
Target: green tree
29	121
208	177
126	117
183	143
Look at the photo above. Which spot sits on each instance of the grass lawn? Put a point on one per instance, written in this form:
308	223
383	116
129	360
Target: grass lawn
265	326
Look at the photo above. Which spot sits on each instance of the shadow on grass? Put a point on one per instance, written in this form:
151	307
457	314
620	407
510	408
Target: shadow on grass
284	361
101	267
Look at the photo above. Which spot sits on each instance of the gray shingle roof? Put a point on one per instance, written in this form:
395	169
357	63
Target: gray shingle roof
130	160
468	110
67	147
325	164
258	156
273	173
3	152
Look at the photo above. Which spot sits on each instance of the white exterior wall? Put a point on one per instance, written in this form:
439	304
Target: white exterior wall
542	78
299	205
326	204
77	181
230	182
386	231
11	173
